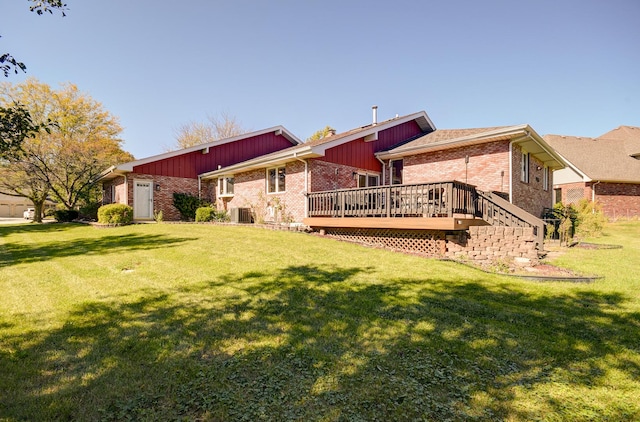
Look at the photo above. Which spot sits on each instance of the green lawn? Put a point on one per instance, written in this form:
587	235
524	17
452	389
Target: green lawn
202	322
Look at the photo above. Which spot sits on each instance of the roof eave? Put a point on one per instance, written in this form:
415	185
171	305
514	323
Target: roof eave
539	148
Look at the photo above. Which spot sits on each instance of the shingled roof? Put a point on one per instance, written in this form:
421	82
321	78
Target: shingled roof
612	157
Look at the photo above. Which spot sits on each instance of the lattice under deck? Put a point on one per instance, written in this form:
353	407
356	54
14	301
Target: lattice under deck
429	242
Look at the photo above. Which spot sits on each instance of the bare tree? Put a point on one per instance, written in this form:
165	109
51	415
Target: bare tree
215	128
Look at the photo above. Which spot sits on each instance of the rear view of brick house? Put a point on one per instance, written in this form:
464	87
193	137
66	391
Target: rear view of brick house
148	184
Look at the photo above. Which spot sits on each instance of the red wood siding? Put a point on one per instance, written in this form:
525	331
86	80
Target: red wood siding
360	154
190	165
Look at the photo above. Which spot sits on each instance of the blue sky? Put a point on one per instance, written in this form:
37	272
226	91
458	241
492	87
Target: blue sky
568	67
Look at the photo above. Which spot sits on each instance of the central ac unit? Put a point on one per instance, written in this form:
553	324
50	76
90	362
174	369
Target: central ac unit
241	215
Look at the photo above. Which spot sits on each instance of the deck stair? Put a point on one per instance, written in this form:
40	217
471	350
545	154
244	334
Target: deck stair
497	211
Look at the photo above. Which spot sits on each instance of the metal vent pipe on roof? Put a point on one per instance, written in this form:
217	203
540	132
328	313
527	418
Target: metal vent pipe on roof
375	114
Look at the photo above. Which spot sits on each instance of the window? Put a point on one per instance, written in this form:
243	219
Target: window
367	180
225	186
524	174
396	172
276	180
545	178
558	195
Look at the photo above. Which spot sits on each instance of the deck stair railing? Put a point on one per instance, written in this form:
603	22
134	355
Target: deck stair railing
497	211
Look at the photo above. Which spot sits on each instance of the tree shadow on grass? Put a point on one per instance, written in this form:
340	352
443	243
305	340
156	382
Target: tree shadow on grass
310	343
21	253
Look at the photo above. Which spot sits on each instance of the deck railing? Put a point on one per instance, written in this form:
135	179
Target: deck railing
441	199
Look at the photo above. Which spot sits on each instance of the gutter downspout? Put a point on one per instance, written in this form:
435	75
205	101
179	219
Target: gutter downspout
593	197
511	171
126	190
306	184
383	170
199	187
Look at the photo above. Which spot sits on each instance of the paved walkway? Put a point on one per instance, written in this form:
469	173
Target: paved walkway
7	220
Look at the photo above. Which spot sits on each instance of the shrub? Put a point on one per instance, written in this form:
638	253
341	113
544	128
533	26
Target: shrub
158	216
567	216
590	219
115	214
65	216
89	210
187	204
206	214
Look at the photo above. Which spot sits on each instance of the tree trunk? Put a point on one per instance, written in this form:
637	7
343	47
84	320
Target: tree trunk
38	210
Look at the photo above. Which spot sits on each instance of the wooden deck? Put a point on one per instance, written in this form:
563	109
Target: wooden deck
417	223
424	206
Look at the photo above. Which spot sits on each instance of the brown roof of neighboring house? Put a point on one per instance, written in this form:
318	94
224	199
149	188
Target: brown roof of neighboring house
609	157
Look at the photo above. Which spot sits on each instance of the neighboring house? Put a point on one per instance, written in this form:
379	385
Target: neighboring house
15	206
605	169
148	184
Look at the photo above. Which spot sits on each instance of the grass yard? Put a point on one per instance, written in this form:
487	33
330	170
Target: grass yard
203	322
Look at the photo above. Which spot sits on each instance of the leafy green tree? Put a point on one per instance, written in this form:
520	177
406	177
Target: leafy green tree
322	133
65	161
15	126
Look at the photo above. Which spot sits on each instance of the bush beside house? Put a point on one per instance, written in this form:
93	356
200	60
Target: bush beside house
115	214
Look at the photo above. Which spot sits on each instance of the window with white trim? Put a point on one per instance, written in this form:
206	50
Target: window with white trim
545	178
276	179
366	180
225	186
524	167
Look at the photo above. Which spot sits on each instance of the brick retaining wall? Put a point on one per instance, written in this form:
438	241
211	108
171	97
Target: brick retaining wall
490	243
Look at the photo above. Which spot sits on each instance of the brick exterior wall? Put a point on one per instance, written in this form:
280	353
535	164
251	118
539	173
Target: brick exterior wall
531	196
488	167
250	191
618	200
162	198
330	176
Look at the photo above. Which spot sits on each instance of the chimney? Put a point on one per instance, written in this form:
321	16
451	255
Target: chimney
331	132
375	114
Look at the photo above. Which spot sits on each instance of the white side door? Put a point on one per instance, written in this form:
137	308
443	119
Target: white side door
142	199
